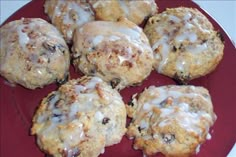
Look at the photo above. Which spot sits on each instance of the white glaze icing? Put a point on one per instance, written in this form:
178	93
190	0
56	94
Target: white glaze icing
53	101
114	38
56	111
181	64
188	25
127	56
74	109
188	120
97	39
163	49
174	18
191	36
199	26
84	16
99	116
147	2
124	6
103	151
179	112
91	84
72	135
208	137
100	3
147	106
69	130
67	19
185	34
187	16
57	11
131	33
144	124
196	49
23	37
198	149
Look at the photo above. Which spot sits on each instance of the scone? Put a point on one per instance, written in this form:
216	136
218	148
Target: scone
112	10
173	120
185	44
80	119
66	15
118	52
33	53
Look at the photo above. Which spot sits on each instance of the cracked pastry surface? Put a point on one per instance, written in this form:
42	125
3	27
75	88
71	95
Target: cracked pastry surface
80	119
33	53
118	52
66	15
184	42
173	120
112	10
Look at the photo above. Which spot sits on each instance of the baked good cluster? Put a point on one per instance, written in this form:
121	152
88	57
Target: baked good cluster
104	40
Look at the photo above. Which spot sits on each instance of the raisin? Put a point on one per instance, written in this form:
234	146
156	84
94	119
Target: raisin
163	103
93	71
139	129
57	115
49	46
153	20
51	97
171	22
64	80
59	103
181	47
139	52
115	82
167	101
204	41
93	48
182	79
130	103
61	48
168	138
105	120
174	49
220	35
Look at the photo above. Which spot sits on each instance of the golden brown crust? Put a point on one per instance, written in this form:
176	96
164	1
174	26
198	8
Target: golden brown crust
184	42
173	120
81	118
112	10
33	53
119	52
68	15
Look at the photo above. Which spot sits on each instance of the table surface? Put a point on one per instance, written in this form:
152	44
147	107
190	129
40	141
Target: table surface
223	11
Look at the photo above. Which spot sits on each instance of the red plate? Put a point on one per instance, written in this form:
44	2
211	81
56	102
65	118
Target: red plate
18	104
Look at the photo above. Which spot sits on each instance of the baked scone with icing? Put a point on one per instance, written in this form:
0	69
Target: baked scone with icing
174	120
184	42
135	11
118	52
66	15
80	119
33	53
